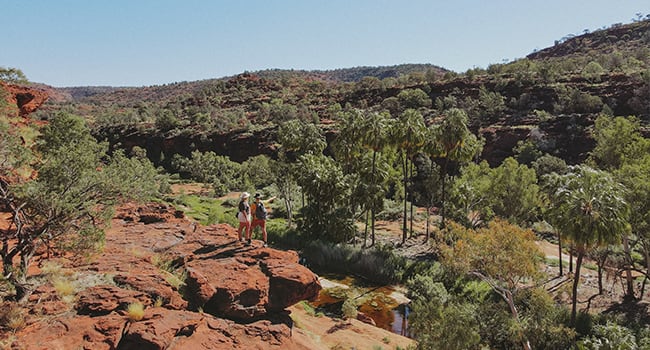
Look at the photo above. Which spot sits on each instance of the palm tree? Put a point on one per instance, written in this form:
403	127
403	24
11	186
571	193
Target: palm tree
589	208
408	134
455	143
375	132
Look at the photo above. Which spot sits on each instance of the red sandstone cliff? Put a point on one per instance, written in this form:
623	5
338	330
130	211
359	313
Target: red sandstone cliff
27	99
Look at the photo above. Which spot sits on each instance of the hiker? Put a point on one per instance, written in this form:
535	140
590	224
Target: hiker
244	217
259	216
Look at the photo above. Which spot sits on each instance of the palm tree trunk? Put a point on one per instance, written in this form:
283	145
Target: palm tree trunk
571	258
629	293
404	169
372	218
576	280
372	204
365	232
559	251
411	217
443	174
647	264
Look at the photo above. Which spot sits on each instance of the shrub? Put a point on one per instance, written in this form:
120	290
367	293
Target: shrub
135	311
349	308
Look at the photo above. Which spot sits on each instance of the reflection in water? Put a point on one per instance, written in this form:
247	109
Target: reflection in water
400	320
378	303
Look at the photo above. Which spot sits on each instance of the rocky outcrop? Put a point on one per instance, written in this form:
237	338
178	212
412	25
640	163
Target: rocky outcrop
200	287
26	99
229	279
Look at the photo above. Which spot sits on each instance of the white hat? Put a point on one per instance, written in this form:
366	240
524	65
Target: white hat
244	195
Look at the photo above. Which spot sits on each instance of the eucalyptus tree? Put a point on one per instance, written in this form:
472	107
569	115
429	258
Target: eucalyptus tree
502	255
636	178
589	207
408	134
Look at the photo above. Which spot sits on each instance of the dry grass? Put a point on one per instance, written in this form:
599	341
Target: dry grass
12	317
158	302
5	344
135	311
63	287
176	280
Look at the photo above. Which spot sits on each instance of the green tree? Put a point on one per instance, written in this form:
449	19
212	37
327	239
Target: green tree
592	72
12	75
408	133
375	137
502	255
327	190
439	321
258	170
619	144
298	137
70	199
509	191
589	207
224	174
618	140
455	144
413	99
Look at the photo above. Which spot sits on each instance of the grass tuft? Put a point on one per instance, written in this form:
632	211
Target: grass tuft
12	317
135	311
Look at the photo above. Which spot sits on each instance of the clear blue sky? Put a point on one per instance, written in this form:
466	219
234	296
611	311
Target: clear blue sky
146	42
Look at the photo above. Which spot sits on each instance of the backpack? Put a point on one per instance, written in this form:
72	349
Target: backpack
242	207
260	211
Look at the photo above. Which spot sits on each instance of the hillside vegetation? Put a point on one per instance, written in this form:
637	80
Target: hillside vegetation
489	161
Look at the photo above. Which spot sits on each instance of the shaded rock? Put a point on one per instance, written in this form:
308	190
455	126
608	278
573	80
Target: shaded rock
27	99
102	300
150	213
155	286
365	319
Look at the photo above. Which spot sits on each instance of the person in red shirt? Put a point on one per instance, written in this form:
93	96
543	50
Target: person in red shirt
259	216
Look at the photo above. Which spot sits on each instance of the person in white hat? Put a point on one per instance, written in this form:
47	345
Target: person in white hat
244	217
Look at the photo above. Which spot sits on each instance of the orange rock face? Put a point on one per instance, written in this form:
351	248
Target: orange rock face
27	99
227	282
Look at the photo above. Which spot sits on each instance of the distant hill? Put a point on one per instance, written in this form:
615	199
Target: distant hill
555	93
355	74
633	38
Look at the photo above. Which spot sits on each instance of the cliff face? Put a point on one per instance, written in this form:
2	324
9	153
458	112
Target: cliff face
566	135
26	99
233	296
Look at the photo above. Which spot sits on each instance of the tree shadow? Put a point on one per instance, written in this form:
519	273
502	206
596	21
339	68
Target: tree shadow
635	312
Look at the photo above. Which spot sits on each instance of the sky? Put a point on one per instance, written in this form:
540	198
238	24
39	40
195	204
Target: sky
153	42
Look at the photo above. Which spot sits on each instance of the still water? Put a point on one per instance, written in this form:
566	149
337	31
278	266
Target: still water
386	305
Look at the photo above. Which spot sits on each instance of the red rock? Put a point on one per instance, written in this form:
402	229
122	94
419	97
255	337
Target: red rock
229	279
102	300
365	318
224	277
26	98
155	286
77	332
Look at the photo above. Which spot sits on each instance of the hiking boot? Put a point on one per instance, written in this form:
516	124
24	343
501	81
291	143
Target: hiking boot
248	242
265	245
